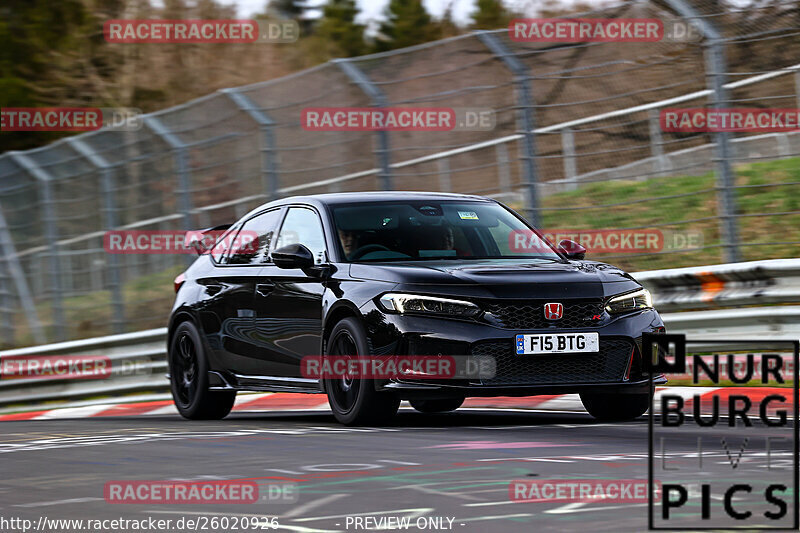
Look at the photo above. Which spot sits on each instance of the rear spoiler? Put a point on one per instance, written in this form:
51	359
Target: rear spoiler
202	240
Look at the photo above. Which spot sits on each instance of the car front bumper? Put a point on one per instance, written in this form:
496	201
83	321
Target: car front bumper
617	367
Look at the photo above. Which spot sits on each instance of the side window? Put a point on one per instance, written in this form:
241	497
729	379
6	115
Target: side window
303	226
251	244
220	250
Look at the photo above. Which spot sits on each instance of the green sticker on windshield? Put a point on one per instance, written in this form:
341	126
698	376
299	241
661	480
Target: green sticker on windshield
468	215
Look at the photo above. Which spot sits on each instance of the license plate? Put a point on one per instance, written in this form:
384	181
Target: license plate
558	343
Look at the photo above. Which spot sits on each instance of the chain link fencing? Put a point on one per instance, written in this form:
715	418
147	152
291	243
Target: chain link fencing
576	145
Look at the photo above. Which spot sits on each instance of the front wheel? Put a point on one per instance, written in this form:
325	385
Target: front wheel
188	377
615	406
355	401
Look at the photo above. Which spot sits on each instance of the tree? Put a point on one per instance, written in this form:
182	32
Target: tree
491	15
448	26
407	23
288	9
339	31
43	46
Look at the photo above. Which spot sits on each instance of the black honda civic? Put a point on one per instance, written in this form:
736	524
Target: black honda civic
383	276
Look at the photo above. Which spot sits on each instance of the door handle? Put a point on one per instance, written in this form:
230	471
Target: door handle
264	289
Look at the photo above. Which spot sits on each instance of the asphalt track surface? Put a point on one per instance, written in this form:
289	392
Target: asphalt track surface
454	467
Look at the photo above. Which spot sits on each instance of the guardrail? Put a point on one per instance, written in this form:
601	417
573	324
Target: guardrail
139	359
138	364
775	281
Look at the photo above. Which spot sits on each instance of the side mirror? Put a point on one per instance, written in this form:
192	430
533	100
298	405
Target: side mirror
571	249
293	256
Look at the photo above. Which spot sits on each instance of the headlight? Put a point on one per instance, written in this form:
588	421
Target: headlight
632	301
412	303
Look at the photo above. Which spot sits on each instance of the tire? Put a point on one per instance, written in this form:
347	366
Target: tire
188	377
617	407
443	405
355	402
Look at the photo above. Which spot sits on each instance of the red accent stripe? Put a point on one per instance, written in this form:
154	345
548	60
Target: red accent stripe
756	395
132	409
630	365
288	400
22	416
508	401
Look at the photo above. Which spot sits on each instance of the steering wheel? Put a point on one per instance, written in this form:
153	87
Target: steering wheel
364	250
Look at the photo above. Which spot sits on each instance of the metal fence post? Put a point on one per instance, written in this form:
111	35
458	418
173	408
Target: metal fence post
716	69
269	167
525	119
179	148
51	239
110	206
180	151
570	164
797	86
378	100
657	143
6	307
503	172
17	275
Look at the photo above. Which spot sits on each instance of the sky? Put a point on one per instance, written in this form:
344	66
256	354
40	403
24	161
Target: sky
372	9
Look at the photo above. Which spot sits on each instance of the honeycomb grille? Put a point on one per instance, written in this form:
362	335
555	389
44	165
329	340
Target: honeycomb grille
606	366
530	315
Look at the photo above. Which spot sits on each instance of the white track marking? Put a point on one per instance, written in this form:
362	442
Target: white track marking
299	529
72	412
577	507
302	509
496	517
484	504
429	490
573	507
247	398
413	513
684	392
165	410
58	502
565	402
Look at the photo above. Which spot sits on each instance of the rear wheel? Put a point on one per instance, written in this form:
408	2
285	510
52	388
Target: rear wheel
188	376
442	405
619	406
355	401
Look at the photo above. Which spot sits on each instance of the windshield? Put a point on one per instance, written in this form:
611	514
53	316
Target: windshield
419	231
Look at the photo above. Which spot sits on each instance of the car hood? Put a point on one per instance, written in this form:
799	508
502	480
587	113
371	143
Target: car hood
503	278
